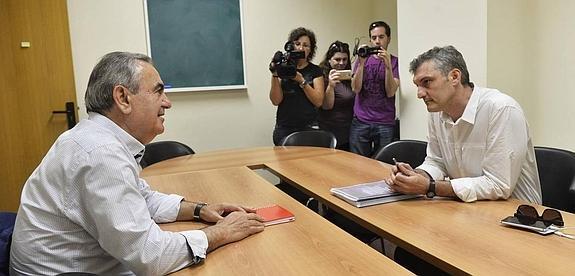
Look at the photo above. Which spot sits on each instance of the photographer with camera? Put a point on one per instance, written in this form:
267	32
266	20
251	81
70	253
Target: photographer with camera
297	86
375	81
336	111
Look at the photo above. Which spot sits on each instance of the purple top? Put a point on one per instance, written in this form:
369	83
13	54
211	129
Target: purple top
371	104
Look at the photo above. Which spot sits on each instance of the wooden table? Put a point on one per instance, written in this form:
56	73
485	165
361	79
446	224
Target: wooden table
460	238
253	158
308	246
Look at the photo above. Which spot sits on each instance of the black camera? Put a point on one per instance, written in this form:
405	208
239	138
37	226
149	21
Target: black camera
365	51
285	64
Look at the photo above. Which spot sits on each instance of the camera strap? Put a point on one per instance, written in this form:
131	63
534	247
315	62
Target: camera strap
355	46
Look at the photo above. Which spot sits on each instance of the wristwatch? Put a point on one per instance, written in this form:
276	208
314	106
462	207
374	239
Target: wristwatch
303	83
197	210
431	190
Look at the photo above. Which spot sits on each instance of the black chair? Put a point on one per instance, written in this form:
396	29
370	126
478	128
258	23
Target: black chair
7	220
409	151
557	177
77	274
312	138
159	151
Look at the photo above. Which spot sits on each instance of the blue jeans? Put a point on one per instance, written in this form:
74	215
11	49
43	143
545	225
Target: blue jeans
367	138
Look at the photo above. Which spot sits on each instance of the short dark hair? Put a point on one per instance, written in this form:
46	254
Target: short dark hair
445	59
336	47
116	68
295	34
380	24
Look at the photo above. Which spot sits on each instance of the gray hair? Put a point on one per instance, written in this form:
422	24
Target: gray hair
445	59
116	68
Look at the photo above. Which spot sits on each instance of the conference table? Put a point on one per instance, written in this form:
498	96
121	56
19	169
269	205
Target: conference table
460	238
310	245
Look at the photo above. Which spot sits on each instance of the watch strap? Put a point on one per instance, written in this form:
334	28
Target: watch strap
303	83
197	210
431	190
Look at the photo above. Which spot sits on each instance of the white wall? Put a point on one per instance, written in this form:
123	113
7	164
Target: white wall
512	70
555	53
522	47
220	119
424	24
531	57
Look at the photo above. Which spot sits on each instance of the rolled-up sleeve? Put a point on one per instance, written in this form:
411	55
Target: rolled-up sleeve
198	243
163	208
434	161
486	166
503	156
119	217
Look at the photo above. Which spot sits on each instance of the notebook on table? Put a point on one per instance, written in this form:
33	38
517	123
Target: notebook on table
368	194
275	214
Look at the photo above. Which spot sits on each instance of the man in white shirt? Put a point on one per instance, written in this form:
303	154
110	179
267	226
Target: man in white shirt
479	143
85	209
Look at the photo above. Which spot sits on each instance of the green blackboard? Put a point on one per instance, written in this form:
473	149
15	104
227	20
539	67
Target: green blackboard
196	44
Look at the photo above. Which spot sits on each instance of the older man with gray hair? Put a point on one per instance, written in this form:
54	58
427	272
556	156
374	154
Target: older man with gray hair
85	208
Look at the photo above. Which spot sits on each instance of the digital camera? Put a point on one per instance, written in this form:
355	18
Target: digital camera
365	51
285	63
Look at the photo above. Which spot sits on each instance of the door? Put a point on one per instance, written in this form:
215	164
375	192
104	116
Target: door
36	78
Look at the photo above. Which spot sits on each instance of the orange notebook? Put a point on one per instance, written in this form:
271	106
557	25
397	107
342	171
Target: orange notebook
275	214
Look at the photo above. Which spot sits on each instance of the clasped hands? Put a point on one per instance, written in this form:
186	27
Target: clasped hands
405	179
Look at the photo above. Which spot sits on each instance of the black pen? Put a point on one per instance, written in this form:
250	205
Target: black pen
397	165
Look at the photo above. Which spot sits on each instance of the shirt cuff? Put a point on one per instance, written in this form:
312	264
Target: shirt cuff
463	188
198	243
169	209
436	173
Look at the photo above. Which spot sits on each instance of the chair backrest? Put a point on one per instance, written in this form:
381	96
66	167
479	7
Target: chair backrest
557	176
77	274
159	151
408	151
7	221
312	138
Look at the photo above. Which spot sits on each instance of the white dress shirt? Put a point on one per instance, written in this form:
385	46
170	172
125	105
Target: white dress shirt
487	153
85	209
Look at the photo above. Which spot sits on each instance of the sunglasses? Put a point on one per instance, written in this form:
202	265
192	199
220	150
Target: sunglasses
340	46
528	215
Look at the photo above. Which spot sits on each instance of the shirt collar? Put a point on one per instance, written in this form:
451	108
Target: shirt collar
132	144
470	110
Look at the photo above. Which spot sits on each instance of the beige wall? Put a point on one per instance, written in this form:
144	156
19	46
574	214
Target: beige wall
531	57
522	47
220	119
424	24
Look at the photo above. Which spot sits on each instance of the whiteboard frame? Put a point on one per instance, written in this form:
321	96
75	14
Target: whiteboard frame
201	88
